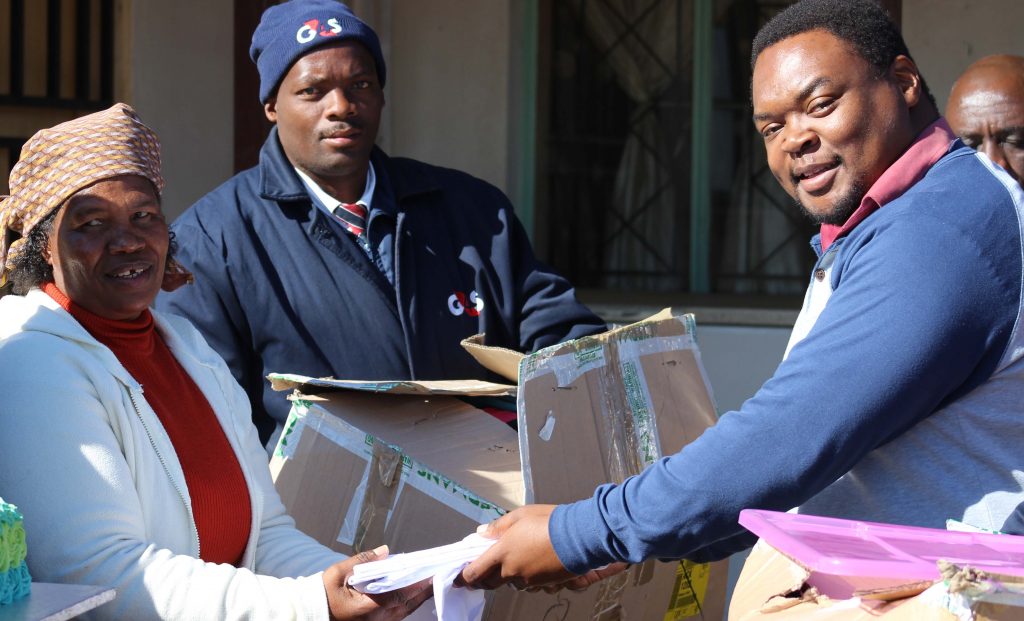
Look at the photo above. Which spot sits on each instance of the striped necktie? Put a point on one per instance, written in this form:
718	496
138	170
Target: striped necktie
353	216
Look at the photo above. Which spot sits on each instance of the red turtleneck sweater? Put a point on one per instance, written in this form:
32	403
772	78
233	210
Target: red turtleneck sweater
220	498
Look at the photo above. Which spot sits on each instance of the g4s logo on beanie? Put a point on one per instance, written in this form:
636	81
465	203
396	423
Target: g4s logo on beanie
290	30
458	304
311	29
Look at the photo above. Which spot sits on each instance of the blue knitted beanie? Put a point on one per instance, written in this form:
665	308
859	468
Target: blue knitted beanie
290	30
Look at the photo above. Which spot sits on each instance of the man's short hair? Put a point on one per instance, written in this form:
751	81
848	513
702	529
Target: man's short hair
864	24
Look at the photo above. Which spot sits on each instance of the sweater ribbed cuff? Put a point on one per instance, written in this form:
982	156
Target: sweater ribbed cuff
578	534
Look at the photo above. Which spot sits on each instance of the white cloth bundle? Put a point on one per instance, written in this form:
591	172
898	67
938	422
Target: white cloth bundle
442	563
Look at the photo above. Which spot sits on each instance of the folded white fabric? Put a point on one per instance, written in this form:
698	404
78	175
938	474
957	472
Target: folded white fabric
442	564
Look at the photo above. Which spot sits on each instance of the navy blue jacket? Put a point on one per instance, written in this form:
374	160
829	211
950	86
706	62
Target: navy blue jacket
280	289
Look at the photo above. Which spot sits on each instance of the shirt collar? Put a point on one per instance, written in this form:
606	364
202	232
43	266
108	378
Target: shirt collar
928	148
329	202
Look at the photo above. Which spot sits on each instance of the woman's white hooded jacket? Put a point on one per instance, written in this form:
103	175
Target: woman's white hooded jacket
88	463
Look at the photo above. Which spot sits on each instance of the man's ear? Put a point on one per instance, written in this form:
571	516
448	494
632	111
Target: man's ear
270	109
907	77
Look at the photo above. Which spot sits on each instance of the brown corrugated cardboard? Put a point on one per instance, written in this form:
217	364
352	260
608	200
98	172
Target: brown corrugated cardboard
504	362
341	477
772	587
615	402
400	463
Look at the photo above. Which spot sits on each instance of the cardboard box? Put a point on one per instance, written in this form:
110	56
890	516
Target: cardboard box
844	558
773	587
418	464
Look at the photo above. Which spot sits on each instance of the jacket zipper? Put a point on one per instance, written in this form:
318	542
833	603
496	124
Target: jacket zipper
184	501
399	303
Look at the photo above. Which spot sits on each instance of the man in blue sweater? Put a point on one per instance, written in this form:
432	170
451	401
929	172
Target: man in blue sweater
901	396
332	259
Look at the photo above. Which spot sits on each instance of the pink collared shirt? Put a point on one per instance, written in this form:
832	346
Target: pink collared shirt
928	148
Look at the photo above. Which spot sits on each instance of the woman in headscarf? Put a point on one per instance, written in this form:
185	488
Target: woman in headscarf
124	439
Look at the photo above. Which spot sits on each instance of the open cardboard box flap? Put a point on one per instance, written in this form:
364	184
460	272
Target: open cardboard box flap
464	388
505	362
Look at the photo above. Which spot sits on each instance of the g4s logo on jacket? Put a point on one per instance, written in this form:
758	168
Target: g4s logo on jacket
458	304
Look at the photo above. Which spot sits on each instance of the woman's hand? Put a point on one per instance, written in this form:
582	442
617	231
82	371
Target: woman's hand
347	604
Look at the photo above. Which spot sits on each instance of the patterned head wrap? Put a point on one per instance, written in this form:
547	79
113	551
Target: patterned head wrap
61	160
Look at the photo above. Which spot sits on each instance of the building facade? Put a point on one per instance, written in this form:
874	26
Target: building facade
619	128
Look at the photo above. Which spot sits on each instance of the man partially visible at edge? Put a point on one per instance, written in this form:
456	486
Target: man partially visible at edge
986	109
900	397
330	258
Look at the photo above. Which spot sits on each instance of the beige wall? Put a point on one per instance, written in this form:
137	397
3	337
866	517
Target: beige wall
945	36
448	83
181	82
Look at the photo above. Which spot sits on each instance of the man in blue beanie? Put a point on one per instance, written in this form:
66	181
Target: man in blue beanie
330	258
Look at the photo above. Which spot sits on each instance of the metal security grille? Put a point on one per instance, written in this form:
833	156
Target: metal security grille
617	168
617	141
761	245
56	62
57	53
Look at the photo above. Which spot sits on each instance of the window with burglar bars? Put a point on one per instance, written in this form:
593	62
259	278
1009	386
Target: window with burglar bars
617	170
55	55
